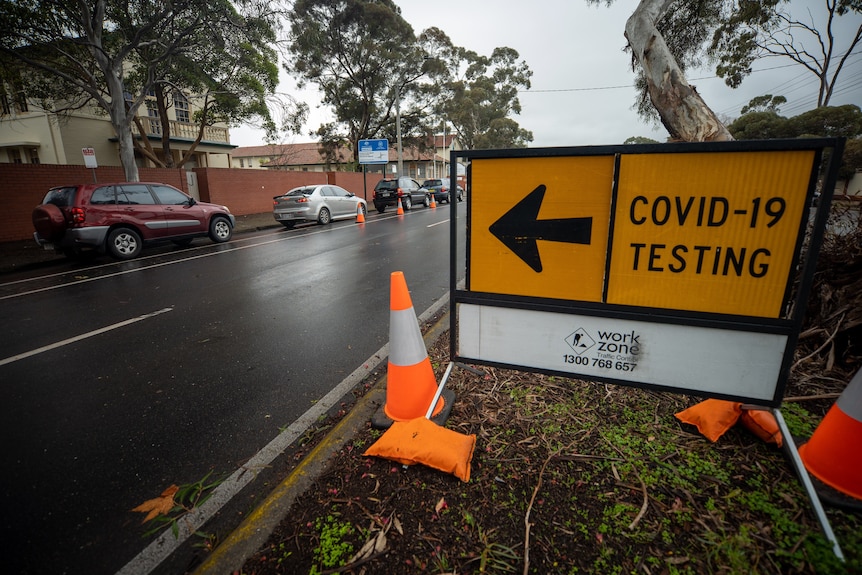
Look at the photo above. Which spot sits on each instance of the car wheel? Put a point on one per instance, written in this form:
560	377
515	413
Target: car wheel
220	230
288	225
324	217
406	203
49	221
427	202
460	198
363	209
380	209
124	243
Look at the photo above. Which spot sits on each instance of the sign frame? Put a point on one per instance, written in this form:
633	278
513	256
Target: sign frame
494	307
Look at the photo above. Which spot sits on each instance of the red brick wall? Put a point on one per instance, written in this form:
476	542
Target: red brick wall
250	191
22	187
353	182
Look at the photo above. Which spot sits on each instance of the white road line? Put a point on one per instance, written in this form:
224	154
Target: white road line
164	545
43	349
156	265
437	224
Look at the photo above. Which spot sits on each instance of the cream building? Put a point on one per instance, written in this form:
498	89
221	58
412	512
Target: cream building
32	135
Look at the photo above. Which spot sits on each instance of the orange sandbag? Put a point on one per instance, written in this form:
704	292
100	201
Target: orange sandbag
712	417
423	441
763	424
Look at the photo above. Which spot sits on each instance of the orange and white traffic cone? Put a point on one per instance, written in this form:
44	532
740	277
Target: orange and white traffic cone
400	210
360	215
410	382
834	453
433	201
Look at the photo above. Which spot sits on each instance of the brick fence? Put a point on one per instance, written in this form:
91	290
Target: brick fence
22	187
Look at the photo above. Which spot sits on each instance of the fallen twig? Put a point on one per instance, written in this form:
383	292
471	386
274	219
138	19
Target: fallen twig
823	346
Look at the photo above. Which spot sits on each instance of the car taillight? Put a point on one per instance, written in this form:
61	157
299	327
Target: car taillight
77	215
374	195
400	192
302	200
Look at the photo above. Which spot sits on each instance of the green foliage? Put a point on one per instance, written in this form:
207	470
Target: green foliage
752	30
109	52
372	69
640	140
188	497
332	549
765	103
828	121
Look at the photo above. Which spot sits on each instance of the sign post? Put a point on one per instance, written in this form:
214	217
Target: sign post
90	160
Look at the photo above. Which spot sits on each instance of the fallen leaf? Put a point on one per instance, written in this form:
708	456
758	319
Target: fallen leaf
161	505
440	505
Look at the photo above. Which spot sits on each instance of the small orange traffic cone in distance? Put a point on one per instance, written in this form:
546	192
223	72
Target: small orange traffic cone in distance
360	214
834	453
400	210
410	381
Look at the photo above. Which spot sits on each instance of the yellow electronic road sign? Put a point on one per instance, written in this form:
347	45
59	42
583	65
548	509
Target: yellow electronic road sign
539	226
708	232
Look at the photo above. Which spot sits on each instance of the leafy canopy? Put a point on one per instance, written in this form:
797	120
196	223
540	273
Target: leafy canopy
372	69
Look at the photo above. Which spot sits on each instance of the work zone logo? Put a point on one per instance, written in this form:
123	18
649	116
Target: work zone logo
623	345
580	341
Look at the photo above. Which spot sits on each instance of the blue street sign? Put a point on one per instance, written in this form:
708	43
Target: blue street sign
374	151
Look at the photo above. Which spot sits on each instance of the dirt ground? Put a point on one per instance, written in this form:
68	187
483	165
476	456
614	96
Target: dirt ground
571	476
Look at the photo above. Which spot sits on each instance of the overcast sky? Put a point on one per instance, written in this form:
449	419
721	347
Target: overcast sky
582	79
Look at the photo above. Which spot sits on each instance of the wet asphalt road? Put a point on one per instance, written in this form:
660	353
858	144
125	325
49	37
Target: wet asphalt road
122	378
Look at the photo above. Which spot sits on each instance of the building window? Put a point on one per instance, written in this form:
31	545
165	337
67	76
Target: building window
5	108
14	156
153	114
34	156
241	163
181	106
21	102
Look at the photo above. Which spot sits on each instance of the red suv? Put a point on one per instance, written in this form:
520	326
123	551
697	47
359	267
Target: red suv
120	218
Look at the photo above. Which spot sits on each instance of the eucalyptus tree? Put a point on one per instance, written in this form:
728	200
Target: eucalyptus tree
667	37
480	93
363	57
114	53
375	73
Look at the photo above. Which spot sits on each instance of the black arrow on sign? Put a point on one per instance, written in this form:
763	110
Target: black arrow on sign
520	228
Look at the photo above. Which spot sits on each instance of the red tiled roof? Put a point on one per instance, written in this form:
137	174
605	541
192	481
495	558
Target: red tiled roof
309	154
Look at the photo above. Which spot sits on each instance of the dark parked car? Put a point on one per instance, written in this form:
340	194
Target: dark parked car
387	193
119	218
440	188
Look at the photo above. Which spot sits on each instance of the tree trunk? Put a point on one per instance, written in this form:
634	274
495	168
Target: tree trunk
121	122
683	112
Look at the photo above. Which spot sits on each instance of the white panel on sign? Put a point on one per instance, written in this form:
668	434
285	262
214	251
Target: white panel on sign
695	359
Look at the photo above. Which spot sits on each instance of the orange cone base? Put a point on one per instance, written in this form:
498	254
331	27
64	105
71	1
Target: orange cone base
360	217
834	453
381	420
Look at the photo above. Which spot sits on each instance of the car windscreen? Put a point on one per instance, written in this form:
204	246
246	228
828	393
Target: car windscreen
431	183
386	185
60	197
300	192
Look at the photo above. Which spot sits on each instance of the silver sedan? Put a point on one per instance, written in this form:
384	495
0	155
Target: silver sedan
321	203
